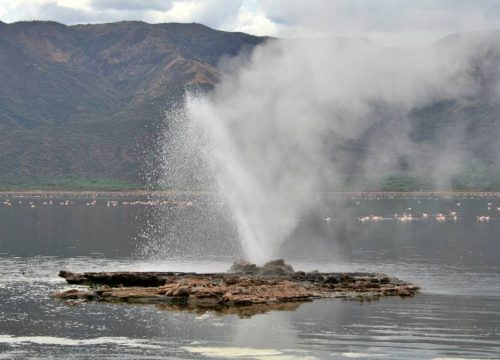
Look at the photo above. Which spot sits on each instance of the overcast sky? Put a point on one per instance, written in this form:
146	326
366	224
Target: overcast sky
384	21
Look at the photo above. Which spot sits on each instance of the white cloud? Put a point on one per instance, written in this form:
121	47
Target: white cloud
183	10
385	21
253	23
71	4
214	13
129	4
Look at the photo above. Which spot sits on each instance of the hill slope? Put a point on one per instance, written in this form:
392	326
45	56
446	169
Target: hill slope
79	100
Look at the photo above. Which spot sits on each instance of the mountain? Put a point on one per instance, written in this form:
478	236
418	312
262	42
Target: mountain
84	100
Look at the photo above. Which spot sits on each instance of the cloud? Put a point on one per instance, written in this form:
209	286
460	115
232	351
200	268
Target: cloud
252	23
383	15
161	5
381	20
214	13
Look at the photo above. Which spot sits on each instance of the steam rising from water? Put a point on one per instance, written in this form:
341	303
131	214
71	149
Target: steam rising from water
304	117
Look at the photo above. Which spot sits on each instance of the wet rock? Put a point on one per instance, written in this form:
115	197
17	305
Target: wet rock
181	291
314	277
276	268
231	280
384	280
332	279
244	267
273	283
115	279
272	268
74	294
299	275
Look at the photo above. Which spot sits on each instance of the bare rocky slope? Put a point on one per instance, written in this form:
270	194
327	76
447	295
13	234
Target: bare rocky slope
84	100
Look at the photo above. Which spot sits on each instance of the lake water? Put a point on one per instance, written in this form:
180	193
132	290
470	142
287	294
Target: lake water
456	262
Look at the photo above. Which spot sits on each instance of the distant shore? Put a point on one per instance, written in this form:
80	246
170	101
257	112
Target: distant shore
170	193
96	193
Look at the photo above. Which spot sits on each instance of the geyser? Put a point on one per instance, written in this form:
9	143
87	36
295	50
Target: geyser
303	117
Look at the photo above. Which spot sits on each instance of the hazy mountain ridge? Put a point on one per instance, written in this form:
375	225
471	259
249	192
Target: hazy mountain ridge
464	130
77	100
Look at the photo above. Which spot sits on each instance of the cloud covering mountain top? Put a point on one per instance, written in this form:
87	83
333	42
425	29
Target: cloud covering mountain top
387	22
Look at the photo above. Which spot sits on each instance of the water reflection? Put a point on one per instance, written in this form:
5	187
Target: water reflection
243	312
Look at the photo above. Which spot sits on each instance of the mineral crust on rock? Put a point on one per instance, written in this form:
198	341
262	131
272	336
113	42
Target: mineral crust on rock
245	285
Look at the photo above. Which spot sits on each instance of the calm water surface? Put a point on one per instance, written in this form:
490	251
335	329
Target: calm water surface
457	315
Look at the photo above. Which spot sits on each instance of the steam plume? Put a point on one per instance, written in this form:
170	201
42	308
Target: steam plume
304	117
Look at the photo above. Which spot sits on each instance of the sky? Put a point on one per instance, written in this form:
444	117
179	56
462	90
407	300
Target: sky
387	22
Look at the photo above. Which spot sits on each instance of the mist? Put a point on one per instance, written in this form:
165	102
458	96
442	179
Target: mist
300	118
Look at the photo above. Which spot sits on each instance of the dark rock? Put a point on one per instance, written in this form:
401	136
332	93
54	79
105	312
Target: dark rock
346	278
298	275
276	268
277	262
384	280
273	283
332	279
114	279
242	266
272	268
314	277
231	280
182	291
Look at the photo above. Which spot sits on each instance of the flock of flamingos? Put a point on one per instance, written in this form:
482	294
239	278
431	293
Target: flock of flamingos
405	217
109	203
439	217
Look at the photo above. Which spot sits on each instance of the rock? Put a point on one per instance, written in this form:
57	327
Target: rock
299	275
272	268
384	280
273	283
276	268
332	279
242	266
115	279
231	280
314	277
181	291
74	294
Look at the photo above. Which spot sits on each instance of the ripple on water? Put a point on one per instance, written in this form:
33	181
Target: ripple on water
446	324
51	340
246	353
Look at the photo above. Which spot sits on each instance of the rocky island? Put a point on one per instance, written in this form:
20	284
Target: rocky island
245	285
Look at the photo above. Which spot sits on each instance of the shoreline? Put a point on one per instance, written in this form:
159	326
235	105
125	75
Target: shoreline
169	193
97	193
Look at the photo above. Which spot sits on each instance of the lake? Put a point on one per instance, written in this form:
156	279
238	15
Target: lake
455	261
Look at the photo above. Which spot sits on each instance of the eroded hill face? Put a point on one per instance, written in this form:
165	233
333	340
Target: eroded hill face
79	100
